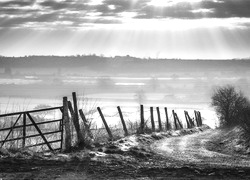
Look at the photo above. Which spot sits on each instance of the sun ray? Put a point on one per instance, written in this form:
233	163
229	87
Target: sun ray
165	3
156	28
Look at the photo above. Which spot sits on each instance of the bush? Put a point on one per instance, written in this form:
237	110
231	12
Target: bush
230	105
245	121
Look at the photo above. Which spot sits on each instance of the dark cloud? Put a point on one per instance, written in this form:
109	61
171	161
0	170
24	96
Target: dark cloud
212	9
52	18
228	8
55	5
17	3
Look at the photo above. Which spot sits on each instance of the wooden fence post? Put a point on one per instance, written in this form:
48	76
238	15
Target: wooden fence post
76	121
152	119
123	122
197	114
178	120
159	118
24	129
200	120
62	130
175	123
142	120
85	122
80	138
190	120
196	118
105	123
167	120
187	120
66	121
72	117
197	124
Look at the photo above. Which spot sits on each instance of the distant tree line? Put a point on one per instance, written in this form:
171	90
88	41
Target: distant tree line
125	63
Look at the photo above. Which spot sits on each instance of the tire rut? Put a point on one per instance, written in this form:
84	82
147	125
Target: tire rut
192	149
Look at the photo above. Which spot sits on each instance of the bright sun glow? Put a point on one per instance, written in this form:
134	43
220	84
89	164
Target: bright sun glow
179	24
162	3
95	2
185	29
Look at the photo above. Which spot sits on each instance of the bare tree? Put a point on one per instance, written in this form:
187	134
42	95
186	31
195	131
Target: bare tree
229	105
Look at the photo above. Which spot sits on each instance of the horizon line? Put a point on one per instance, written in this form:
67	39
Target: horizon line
124	56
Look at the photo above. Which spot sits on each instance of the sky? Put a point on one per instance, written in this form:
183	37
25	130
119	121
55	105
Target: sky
186	29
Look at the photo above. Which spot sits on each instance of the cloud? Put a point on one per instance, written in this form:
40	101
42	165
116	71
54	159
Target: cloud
17	3
55	5
180	10
187	10
15	13
228	8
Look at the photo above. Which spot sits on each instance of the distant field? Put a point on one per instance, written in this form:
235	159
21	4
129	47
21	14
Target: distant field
121	81
109	102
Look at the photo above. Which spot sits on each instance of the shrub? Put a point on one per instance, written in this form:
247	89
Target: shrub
245	121
229	105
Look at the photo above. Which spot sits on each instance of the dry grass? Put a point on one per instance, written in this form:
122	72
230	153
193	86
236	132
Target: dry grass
89	108
8	122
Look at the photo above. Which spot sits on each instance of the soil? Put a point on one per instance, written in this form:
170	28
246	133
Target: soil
183	154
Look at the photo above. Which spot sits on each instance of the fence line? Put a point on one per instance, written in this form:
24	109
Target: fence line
70	118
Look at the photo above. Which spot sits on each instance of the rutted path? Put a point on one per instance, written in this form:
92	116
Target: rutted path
178	156
191	149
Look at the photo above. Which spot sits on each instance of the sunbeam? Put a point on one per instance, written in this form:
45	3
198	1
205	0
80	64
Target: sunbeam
142	28
165	3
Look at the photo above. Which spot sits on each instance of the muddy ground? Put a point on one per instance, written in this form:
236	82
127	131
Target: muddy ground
185	154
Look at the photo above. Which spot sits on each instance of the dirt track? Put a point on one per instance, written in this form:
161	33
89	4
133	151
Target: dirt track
180	157
193	149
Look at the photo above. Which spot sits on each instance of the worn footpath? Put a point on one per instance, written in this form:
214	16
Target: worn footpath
179	154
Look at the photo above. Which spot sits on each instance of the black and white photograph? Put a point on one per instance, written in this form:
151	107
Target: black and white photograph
124	89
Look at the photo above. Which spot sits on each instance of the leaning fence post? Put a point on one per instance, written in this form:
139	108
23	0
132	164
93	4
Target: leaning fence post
197	124
152	118
86	125
200	120
175	123
80	137
178	120
76	121
123	122
105	123
196	118
187	120
159	118
190	120
24	129
142	120
67	137
167	120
